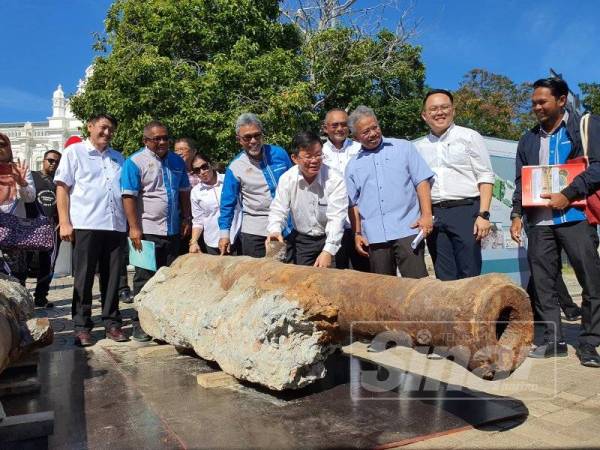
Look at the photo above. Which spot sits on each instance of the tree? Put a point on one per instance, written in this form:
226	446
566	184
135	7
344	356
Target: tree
493	105
197	64
591	96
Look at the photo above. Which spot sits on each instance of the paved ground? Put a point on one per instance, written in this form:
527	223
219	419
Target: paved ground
563	398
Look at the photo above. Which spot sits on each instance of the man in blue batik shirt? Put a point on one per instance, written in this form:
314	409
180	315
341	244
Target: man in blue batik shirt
555	140
389	194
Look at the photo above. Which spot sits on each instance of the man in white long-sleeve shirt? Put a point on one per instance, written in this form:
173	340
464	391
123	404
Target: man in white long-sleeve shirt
316	198
462	190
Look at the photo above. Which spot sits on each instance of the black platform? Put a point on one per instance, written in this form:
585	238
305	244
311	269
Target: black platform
111	397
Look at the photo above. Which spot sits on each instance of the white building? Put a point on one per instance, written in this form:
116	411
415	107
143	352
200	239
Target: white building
30	140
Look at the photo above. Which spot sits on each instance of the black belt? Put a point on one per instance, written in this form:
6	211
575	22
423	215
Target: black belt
453	203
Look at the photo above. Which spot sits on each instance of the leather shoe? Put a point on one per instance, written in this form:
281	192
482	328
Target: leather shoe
573	315
116	334
138	334
549	350
588	355
83	339
43	303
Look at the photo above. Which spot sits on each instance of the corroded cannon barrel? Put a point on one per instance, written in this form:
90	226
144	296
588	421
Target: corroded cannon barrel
19	332
275	323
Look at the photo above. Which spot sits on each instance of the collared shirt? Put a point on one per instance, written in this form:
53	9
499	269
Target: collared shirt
555	148
317	209
338	159
382	183
93	177
460	161
194	179
206	204
156	183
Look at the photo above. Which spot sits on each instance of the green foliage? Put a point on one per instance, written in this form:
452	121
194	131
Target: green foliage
591	96
493	105
197	64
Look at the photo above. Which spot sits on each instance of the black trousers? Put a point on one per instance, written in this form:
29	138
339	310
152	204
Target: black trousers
386	257
166	251
45	271
123	281
253	245
103	249
580	242
303	249
453	248
347	257
235	249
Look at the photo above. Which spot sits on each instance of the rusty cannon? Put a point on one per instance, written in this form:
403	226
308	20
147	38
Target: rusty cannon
275	324
20	333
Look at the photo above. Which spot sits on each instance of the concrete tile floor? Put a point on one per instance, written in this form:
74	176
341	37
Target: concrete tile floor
562	396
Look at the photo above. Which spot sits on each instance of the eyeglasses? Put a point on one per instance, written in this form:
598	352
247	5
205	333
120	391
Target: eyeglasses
205	166
157	139
367	131
52	161
318	157
248	137
435	109
3	144
338	125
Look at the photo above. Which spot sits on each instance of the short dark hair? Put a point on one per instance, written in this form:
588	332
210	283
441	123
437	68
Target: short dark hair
557	86
153	124
96	117
190	143
438	91
303	140
52	151
202	156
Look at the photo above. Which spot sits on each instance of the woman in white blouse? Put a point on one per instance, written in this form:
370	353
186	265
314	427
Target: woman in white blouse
206	202
16	189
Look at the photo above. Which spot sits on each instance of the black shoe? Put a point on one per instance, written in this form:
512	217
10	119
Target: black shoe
588	356
139	335
549	350
43	303
125	296
573	315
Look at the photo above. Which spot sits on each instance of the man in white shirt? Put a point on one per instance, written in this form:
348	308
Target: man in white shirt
462	190
90	212
338	150
316	198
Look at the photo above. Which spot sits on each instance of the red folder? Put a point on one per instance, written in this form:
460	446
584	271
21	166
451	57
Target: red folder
536	180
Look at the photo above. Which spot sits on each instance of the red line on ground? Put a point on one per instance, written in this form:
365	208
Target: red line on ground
422	438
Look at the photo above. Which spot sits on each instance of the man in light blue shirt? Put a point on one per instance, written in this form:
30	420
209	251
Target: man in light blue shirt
389	194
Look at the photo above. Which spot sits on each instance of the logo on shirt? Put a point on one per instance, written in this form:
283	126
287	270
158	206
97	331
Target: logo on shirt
46	198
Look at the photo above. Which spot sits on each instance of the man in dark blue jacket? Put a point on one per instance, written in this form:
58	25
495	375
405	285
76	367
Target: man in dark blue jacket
555	140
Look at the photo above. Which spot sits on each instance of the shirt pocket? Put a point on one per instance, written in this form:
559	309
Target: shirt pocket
456	154
322	211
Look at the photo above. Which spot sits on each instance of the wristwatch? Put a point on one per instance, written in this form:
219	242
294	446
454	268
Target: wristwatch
484	215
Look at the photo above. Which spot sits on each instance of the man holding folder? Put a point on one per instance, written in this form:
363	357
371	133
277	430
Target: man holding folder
156	194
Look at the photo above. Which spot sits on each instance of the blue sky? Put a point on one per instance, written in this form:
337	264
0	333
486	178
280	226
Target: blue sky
46	42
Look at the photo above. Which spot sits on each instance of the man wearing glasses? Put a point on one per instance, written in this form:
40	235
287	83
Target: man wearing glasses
461	192
45	189
338	150
388	187
156	198
251	178
316	197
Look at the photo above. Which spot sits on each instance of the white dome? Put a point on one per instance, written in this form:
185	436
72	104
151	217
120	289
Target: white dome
58	93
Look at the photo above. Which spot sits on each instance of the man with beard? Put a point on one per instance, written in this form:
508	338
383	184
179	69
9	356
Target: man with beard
555	140
251	178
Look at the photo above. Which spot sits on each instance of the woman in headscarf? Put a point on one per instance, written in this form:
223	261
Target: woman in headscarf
16	189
